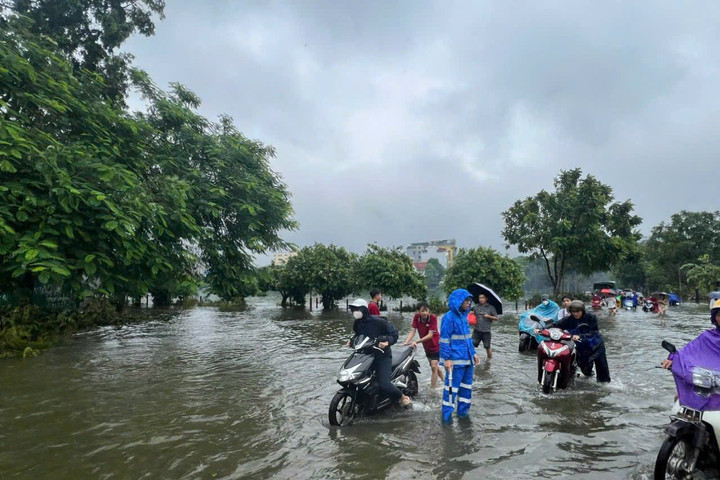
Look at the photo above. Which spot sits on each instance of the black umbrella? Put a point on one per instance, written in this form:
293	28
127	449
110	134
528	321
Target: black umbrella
493	298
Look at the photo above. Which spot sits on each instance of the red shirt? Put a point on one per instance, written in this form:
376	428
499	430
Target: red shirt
423	328
373	309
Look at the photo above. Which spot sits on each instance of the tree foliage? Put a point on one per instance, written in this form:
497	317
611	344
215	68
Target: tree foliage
390	270
88	32
434	274
325	269
682	240
94	199
489	267
703	275
576	225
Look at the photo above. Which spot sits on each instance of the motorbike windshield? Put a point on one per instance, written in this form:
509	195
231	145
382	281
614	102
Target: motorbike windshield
696	368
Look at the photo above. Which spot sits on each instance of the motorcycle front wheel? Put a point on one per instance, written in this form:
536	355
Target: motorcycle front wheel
670	458
342	409
412	385
548	381
524	342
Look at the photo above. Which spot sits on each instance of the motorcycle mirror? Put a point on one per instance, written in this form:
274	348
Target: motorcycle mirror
668	346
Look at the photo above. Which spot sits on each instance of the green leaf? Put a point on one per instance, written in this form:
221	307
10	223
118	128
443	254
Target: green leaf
31	254
44	277
90	269
60	270
89	258
49	244
6	166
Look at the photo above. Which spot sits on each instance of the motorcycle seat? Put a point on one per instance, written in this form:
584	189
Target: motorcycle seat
399	354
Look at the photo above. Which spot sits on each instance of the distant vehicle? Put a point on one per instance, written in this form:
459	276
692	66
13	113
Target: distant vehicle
609	285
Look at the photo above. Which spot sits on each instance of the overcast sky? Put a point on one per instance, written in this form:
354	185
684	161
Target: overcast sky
398	122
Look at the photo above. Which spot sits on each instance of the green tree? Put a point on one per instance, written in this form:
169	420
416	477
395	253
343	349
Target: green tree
286	280
96	200
704	275
390	270
687	237
324	269
489	267
576	225
434	274
89	32
633	272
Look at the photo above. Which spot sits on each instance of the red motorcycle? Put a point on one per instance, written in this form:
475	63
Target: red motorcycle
596	302
556	360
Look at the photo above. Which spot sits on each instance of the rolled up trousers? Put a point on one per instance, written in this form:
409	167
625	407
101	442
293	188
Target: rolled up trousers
458	389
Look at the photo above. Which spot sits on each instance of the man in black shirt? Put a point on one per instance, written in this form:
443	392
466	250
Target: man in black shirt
591	347
386	334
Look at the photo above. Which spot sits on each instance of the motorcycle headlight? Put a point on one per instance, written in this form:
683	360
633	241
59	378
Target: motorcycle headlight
556	333
349	374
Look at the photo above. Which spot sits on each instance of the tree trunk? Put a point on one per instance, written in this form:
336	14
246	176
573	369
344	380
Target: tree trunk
327	301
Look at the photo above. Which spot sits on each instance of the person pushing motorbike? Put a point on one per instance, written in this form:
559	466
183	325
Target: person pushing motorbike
386	334
591	346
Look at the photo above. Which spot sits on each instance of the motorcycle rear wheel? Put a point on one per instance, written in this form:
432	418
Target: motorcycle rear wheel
412	385
548	381
672	452
342	409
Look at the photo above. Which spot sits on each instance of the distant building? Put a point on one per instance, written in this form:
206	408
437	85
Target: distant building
282	258
420	267
441	250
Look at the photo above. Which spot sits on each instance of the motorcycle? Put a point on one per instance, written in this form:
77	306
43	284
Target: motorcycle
532	320
596	302
649	306
629	304
529	340
693	435
360	393
556	358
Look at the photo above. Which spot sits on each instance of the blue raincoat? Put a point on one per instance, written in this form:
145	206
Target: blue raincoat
456	345
547	312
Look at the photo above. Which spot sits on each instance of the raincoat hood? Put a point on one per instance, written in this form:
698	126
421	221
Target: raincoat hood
547	311
456	299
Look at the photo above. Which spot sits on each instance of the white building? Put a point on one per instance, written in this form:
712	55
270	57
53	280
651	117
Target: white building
442	250
282	258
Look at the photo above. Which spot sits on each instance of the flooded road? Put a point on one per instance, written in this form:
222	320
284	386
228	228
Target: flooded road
205	394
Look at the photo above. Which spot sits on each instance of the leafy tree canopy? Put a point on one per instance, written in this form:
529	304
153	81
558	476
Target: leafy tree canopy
327	270
489	267
94	199
577	224
88	32
390	270
682	240
434	273
703	275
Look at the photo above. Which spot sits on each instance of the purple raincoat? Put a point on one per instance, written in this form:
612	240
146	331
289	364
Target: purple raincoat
699	360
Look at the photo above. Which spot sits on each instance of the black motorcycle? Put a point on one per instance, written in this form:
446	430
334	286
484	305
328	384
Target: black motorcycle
691	444
360	393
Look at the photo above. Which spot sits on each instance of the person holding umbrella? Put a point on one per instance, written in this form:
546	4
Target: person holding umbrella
486	314
488	307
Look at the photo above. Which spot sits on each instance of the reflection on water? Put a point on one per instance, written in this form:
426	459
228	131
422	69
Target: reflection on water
205	393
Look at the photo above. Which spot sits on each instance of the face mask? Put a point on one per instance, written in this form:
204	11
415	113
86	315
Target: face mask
357	315
545	302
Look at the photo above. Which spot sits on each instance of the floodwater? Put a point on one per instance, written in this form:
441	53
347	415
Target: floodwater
206	394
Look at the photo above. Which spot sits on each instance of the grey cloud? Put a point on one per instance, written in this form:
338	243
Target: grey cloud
403	121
